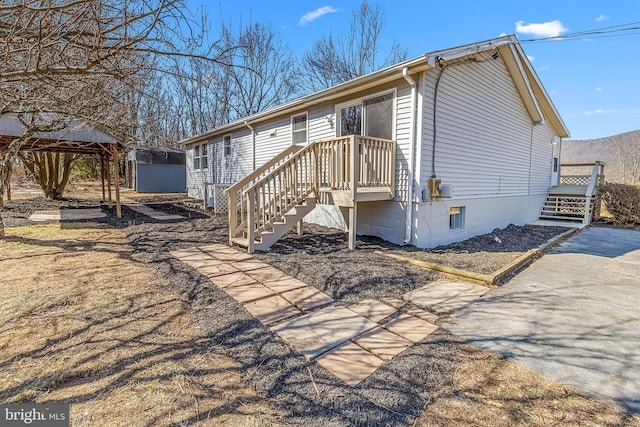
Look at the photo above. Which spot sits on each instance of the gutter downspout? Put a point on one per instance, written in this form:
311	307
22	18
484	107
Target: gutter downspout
412	155
253	144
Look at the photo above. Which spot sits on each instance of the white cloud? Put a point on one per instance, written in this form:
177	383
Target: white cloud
502	34
598	112
545	29
531	58
602	17
312	16
599	89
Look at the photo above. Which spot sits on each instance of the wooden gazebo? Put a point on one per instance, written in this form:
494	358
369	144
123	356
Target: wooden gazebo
78	138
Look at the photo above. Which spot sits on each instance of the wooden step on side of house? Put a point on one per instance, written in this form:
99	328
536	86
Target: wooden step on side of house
567	207
265	239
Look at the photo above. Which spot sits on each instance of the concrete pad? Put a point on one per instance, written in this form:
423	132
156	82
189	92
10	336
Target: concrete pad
572	315
307	298
76	214
67	214
284	285
250	264
271	309
445	296
410	327
350	363
372	309
217	268
422	314
233	279
248	292
319	331
267	274
382	343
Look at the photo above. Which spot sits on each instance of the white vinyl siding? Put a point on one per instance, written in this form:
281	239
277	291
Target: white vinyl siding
486	142
197	177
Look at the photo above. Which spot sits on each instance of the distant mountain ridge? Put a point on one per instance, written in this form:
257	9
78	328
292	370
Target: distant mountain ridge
620	152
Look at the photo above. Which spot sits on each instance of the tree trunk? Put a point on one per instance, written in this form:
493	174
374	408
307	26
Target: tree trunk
52	169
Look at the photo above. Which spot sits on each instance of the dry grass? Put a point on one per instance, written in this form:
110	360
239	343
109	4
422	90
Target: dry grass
81	322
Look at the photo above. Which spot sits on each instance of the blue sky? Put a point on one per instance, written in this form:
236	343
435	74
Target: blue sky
594	81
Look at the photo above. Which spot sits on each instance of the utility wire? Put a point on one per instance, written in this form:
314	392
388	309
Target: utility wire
631	28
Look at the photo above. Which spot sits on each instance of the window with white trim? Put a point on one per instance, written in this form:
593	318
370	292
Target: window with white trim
200	157
456	218
226	142
299	129
372	116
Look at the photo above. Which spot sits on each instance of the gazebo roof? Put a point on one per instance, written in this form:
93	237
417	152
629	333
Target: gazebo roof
78	137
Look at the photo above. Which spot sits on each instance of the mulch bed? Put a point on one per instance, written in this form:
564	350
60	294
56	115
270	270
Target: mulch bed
394	395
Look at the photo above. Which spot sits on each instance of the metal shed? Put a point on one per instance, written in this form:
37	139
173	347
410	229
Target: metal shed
156	170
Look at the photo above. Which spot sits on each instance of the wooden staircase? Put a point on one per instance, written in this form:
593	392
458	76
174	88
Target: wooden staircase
266	204
575	200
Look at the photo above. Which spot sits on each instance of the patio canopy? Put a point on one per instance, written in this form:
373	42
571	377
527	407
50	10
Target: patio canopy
78	137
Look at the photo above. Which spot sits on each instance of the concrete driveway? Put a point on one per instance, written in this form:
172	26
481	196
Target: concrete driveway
573	315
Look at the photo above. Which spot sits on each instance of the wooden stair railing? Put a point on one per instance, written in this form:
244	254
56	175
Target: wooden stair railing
576	200
285	190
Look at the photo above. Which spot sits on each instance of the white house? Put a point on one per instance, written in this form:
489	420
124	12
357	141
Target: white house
432	150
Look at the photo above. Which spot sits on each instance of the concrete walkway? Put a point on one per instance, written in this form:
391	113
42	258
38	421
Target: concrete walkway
573	315
351	342
150	212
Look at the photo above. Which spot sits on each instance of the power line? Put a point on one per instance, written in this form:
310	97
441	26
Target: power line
628	29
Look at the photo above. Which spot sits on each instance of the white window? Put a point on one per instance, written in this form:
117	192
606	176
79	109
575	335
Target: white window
371	116
456	218
299	129
227	145
200	158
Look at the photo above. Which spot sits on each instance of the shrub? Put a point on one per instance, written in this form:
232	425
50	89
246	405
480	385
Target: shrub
623	203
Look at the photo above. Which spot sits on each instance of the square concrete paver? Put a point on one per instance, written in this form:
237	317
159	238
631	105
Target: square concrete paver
382	343
445	296
271	309
321	330
248	292
284	285
410	327
394	302
185	253
249	264
229	256
267	274
350	363
217	268
232	279
373	310
423	314
307	298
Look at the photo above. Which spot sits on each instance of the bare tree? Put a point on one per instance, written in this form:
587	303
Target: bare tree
65	60
337	59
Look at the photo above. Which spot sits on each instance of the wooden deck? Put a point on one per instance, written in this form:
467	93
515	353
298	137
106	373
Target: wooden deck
568	190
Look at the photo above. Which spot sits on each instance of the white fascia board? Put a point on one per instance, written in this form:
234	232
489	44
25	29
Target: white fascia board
536	79
464	51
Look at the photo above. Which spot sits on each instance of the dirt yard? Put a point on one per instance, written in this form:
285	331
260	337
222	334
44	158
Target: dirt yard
99	315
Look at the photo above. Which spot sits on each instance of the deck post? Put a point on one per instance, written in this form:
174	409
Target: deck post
110	201
102	176
116	172
355	173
